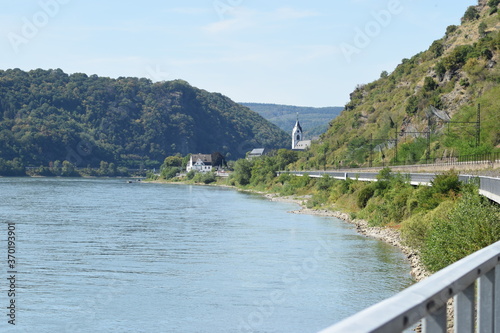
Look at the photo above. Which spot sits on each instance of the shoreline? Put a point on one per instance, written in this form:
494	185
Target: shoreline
387	235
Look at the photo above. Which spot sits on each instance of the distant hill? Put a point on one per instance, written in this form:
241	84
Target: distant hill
314	121
436	91
48	116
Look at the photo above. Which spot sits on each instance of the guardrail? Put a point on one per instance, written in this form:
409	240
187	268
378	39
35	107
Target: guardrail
488	186
475	304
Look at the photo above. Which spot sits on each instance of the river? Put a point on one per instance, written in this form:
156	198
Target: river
104	255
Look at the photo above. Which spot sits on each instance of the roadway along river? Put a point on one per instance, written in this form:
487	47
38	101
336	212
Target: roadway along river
107	256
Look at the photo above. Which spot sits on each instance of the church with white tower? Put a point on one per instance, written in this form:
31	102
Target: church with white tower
298	142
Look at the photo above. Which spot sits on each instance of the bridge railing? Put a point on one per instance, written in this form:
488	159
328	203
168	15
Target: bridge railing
473	282
488	186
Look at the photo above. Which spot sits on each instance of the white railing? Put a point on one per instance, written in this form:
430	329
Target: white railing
473	282
488	186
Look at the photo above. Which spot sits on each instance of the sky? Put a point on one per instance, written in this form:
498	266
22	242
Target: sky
305	53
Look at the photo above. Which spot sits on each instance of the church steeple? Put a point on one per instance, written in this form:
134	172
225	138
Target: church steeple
296	133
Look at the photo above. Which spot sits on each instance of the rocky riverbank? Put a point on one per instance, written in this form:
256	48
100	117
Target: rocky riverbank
388	235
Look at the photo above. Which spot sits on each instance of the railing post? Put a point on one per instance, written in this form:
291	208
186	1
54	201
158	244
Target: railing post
436	322
485	320
464	310
496	299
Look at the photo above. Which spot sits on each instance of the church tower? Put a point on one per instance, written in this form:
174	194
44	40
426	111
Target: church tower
296	133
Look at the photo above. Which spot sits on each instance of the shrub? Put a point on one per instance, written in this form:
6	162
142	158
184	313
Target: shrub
440	70
470	226
204	177
471	14
363	195
190	175
446	183
451	29
482	29
412	105
415	230
493	3
429	84
436	49
169	172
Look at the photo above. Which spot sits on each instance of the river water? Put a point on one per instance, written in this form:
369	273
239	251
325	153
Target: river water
95	255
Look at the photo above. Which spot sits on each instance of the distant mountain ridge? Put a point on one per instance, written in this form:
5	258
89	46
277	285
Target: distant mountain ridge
313	120
48	116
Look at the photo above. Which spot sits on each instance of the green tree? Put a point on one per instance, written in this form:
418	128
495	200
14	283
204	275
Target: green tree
482	29
68	169
429	84
493	3
471	14
242	171
412	105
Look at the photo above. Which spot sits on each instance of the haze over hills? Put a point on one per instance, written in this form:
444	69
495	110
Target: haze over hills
47	116
436	91
314	121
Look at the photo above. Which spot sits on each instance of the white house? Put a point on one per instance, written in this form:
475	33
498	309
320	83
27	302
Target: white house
200	163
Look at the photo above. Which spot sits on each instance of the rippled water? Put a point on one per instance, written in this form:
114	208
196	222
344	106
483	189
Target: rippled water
108	256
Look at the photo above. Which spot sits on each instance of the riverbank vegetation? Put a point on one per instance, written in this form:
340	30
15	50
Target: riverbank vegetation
443	222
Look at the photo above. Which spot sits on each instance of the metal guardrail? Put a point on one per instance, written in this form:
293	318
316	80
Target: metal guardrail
488	186
475	304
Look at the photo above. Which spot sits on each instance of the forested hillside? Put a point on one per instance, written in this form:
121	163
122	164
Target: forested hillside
437	91
47	116
314	121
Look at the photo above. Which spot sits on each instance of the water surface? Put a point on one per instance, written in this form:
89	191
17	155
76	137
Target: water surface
108	256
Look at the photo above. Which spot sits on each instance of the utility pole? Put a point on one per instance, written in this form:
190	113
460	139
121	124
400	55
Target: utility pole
396	140
371	150
428	155
478	128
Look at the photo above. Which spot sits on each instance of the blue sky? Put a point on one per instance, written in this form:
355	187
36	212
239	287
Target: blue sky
308	53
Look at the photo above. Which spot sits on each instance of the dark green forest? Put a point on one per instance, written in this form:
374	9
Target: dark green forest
48	116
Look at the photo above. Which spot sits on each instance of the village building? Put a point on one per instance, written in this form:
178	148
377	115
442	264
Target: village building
200	163
257	152
298	142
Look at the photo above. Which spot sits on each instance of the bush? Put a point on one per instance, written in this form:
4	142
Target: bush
204	177
415	230
169	172
471	14
446	183
482	29
440	70
451	29
470	226
363	195
190	175
437	49
429	84
493	3
412	105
